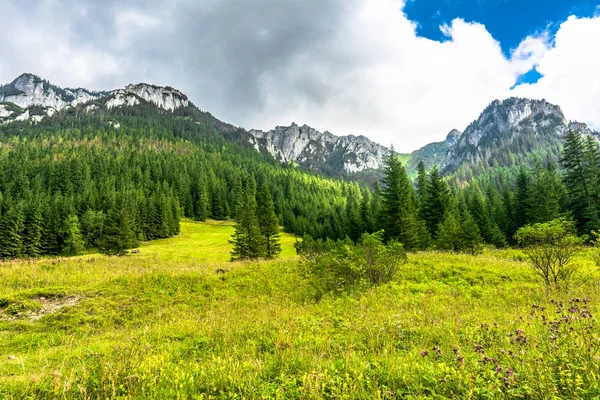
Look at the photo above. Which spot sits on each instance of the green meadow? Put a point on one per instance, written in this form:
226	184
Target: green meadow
178	320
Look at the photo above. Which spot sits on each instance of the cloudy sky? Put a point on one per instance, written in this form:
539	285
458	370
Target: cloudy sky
398	72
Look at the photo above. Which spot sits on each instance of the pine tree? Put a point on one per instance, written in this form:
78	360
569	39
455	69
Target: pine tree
268	222
118	234
421	182
32	230
544	195
11	226
74	243
247	241
449	234
92	223
576	178
470	237
202	207
353	221
366	212
399	214
521	199
436	201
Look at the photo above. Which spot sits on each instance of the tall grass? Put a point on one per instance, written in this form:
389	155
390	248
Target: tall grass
165	324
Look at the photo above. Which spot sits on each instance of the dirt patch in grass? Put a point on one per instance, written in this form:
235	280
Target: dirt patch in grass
42	306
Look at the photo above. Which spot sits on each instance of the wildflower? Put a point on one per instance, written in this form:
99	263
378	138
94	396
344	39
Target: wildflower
424	353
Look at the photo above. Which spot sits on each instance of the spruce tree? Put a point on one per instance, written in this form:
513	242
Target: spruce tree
544	196
399	214
436	201
92	223
421	181
118	234
521	199
449	233
32	230
268	222
366	212
248	242
74	243
202	206
576	178
11	227
470	238
354	225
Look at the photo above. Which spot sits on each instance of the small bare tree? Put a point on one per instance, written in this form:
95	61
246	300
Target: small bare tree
550	247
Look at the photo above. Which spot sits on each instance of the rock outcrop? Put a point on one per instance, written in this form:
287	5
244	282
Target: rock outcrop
319	151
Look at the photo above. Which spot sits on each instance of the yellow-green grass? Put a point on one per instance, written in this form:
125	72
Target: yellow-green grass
205	243
165	324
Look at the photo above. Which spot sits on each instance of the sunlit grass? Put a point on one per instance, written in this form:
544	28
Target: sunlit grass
165	324
204	242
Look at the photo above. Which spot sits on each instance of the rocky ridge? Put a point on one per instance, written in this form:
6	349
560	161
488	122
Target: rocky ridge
318	150
28	90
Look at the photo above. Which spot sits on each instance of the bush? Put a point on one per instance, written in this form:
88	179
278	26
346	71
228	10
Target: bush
550	247
342	264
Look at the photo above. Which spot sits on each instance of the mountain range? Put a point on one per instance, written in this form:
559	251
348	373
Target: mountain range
506	133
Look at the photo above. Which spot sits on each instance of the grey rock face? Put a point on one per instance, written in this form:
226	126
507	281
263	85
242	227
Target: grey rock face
315	150
30	90
500	123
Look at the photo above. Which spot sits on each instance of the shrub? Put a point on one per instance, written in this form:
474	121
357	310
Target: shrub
550	247
335	265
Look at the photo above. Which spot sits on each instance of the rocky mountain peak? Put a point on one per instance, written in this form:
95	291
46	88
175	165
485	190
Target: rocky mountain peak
163	97
319	150
501	124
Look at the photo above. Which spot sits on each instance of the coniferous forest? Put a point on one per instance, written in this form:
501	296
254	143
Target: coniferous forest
72	183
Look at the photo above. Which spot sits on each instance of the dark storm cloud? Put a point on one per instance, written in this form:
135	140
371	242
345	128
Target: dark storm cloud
218	52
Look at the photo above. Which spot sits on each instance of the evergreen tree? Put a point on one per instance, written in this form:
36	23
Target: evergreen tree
354	225
74	243
399	214
366	212
202	206
521	199
11	226
421	181
544	195
118	234
32	231
449	234
577	178
436	201
470	238
92	224
268	222
248	242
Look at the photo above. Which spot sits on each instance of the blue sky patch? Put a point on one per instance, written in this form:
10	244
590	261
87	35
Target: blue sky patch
509	21
530	77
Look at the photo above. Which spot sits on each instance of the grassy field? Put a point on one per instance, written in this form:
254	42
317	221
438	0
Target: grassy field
164	324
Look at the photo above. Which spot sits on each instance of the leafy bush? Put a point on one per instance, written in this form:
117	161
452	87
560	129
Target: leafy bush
550	247
340	264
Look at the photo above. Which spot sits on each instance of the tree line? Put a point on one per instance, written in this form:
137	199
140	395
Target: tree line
75	182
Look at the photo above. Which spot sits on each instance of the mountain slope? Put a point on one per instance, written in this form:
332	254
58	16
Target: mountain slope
30	90
30	98
320	151
507	134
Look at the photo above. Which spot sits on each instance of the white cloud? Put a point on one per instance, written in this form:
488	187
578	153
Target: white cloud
571	71
395	87
350	67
